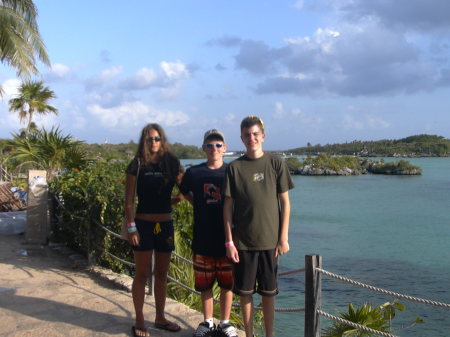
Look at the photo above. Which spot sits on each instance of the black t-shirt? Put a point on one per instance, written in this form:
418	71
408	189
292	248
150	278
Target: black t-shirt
206	187
154	186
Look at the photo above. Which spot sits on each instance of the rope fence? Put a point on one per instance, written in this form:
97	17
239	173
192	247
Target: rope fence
313	271
357	326
313	292
383	291
174	254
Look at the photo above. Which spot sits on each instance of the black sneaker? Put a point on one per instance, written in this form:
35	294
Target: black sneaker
203	330
226	330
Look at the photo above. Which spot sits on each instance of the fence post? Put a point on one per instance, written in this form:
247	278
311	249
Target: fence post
313	293
90	245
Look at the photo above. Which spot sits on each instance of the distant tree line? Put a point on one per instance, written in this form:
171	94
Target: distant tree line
413	146
125	151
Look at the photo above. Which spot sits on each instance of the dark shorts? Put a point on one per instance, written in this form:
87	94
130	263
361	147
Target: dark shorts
209	269
158	236
256	272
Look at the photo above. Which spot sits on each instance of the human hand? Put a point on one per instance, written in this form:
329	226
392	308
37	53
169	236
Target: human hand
282	248
133	238
233	254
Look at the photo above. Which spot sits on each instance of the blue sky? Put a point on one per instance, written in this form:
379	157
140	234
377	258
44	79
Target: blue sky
322	71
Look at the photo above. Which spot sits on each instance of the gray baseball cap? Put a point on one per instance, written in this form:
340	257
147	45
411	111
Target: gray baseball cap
211	133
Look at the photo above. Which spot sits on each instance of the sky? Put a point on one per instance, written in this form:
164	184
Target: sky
315	71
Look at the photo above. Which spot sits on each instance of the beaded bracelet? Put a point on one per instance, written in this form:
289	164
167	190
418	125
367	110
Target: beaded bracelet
131	227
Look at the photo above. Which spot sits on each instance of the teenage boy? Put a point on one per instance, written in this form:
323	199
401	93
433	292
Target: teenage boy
202	186
256	218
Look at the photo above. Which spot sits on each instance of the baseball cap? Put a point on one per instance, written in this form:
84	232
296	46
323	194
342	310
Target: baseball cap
211	133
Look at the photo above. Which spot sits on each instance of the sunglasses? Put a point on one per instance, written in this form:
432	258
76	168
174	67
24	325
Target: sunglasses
211	146
151	139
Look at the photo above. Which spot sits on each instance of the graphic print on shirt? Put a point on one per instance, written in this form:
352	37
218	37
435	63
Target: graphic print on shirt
211	193
154	174
258	177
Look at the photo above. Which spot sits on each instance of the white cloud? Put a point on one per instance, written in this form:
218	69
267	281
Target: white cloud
59	69
168	94
169	75
175	70
298	4
230	117
376	122
135	114
146	76
350	123
364	122
58	72
10	121
279	110
111	73
10	88
46	121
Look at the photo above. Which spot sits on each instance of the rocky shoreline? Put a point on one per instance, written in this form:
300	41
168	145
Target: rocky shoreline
365	166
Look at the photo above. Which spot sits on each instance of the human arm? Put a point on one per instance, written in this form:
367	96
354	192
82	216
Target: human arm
130	186
285	205
232	252
176	199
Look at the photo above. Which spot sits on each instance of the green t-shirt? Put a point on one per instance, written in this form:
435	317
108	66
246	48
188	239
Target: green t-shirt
254	185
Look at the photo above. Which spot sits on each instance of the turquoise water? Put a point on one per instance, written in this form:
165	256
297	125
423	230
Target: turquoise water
392	232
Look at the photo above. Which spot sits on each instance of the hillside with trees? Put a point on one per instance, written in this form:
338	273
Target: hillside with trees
413	146
125	151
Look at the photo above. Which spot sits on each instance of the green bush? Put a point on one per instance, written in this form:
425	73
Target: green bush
94	194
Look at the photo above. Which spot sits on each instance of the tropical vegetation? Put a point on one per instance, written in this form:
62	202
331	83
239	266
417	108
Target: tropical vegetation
32	98
325	164
413	146
93	197
377	318
20	41
45	150
125	151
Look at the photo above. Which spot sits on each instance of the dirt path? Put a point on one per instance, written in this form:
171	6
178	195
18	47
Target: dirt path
44	293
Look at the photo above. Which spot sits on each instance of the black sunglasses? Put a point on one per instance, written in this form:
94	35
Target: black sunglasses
151	139
211	146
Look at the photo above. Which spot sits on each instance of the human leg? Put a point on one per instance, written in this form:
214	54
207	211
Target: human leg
225	328
226	301
268	305
207	303
244	273
247	314
267	287
142	260
162	261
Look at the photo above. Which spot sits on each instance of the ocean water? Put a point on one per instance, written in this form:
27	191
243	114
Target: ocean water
392	232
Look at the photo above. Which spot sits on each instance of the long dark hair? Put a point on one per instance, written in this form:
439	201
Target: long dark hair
166	160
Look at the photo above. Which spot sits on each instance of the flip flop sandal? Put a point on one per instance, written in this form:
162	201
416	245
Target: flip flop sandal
134	329
169	326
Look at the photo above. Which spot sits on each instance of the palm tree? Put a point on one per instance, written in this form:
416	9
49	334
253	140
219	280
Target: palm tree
20	40
32	98
49	150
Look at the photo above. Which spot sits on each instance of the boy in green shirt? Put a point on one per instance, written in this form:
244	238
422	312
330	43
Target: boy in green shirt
256	219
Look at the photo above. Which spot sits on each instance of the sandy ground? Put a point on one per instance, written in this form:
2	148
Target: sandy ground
45	293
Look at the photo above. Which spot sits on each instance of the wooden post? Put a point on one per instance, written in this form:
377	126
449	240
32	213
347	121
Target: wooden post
37	208
313	293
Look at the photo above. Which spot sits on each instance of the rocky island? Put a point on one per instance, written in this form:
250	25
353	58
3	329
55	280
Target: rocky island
327	165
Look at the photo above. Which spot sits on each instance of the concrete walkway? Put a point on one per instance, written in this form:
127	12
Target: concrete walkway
44	293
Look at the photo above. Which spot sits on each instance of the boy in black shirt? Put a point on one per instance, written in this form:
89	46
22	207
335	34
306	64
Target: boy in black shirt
202	186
